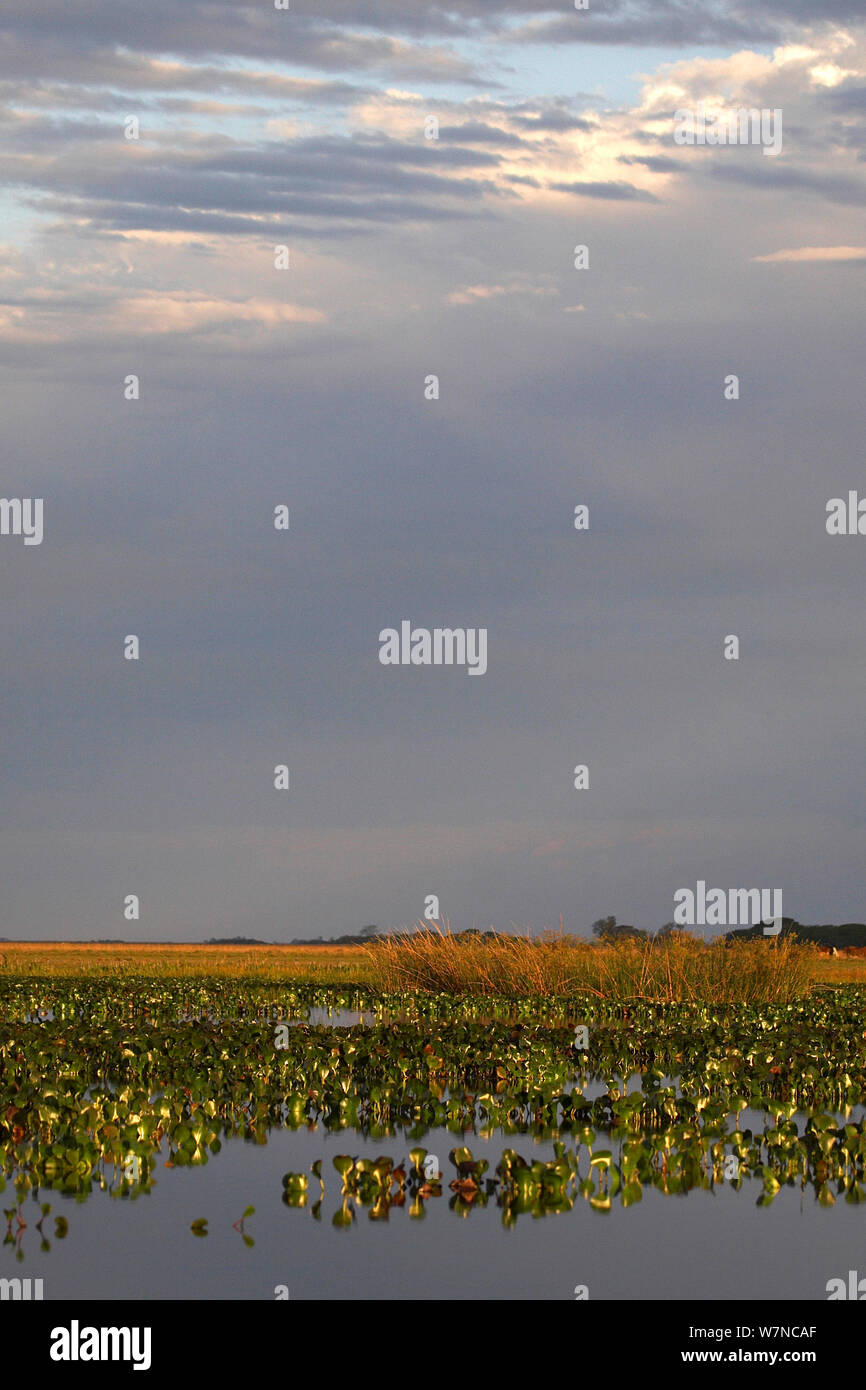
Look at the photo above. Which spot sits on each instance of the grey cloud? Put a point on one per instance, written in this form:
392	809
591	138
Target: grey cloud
112	56
657	163
88	31
478	132
612	191
554	121
344	154
523	179
846	99
119	217
361	179
770	177
804	11
667	23
96	86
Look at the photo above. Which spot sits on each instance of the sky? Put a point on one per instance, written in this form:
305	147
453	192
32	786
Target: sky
307	387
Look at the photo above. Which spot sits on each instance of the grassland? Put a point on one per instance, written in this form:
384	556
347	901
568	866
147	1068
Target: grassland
87	960
547	965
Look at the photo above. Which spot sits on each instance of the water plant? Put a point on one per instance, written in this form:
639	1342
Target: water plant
98	1087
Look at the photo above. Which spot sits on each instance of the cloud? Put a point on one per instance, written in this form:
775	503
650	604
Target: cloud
848	99
824	255
553	119
615	191
652	23
171	312
472	294
234	188
479	132
657	163
102	50
50	318
836	188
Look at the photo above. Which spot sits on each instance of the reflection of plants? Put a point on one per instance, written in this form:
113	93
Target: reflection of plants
14	1214
673	1163
61	1227
239	1227
295	1189
379	1184
199	1227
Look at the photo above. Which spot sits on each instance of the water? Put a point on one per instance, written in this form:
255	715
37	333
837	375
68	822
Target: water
714	1245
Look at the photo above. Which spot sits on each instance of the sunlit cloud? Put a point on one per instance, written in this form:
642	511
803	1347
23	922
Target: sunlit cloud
815	253
472	294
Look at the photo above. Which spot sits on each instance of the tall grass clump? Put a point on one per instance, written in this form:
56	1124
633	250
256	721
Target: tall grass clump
666	969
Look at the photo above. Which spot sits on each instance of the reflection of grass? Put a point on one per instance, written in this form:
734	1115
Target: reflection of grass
319	964
676	968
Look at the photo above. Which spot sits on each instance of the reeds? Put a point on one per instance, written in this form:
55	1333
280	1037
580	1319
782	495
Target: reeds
666	969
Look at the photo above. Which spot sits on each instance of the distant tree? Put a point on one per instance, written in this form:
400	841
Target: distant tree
609	929
234	941
605	926
668	929
368	931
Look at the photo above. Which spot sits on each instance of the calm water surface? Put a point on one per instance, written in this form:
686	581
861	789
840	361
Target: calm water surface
706	1245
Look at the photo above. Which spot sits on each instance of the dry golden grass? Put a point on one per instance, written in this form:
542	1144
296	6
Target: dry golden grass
317	964
840	970
677	968
425	959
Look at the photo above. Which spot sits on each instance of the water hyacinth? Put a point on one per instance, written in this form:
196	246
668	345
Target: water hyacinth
100	1087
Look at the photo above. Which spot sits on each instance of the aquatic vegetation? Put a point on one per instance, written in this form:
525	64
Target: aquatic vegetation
99	1087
